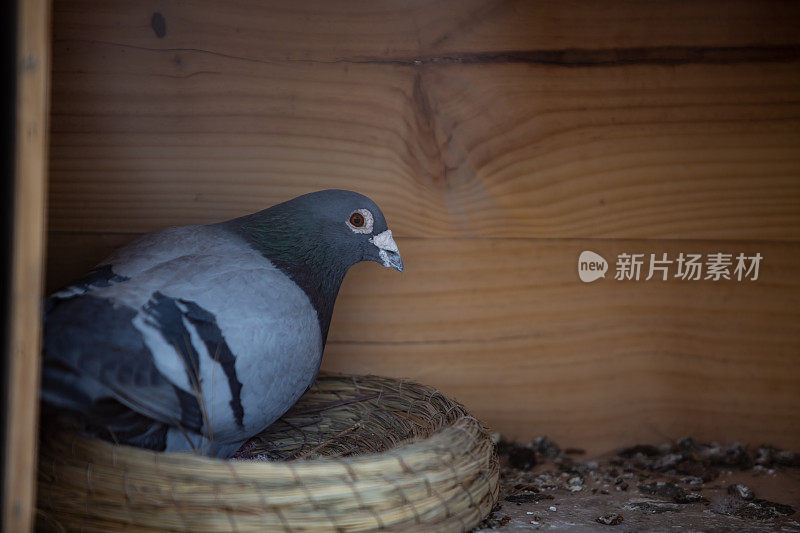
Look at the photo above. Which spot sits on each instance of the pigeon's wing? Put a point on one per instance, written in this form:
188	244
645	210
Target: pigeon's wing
93	353
198	311
138	256
231	325
131	331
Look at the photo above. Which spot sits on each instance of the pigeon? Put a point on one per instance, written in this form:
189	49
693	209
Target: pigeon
196	338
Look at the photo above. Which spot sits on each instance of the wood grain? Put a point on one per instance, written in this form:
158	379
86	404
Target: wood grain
369	31
144	139
500	139
506	326
27	263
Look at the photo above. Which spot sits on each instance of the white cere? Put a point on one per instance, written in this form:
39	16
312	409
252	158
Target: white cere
384	241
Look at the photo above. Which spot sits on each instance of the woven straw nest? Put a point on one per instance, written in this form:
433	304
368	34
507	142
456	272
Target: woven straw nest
355	454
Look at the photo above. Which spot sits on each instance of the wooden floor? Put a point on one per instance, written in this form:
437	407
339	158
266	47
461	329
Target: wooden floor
501	140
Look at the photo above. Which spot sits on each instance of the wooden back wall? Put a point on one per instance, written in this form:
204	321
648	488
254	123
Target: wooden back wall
501	139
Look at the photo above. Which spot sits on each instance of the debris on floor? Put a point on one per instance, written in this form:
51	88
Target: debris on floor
682	485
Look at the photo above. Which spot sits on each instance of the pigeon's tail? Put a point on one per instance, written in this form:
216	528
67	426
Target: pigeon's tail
60	388
88	407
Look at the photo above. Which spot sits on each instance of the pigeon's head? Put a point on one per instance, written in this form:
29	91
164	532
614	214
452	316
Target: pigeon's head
317	237
351	225
327	229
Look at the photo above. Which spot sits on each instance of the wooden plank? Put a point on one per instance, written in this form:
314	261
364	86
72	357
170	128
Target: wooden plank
366	30
634	152
144	139
506	326
33	73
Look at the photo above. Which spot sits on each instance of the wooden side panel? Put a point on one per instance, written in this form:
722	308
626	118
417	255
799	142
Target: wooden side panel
501	140
144	139
33	68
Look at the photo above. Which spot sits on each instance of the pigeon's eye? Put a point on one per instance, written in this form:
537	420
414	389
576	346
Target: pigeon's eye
357	220
360	221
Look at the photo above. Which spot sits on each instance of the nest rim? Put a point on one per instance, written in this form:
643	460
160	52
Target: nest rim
446	480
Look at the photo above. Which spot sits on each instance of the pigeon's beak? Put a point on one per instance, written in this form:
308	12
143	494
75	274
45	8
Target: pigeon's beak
387	250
